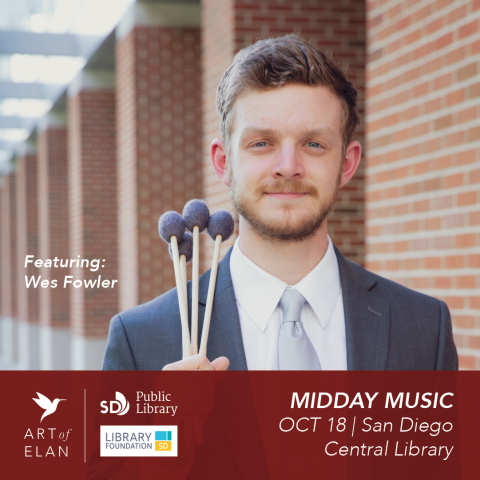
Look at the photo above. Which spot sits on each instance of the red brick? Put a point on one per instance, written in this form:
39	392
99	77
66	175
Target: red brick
466	362
474	176
442	162
452	181
442	282
437	24
467	198
432	263
412	264
466	157
455	97
464	321
442	42
457	14
433	223
466	240
443	122
466	281
474	218
469	29
455	261
456	55
467	72
467	115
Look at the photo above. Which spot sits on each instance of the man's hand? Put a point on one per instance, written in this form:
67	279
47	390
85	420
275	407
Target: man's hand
194	395
199	362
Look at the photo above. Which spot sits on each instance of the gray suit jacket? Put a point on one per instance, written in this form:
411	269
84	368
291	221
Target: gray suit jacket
388	326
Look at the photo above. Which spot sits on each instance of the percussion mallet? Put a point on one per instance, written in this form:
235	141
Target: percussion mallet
171	228
196	216
220	227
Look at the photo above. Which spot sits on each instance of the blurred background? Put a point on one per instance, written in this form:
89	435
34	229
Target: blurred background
107	111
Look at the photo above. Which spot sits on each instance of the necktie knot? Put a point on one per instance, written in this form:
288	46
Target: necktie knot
295	350
291	303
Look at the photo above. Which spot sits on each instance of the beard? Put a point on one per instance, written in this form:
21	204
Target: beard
286	224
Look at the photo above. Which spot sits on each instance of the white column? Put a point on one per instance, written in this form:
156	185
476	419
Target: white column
9	343
87	353
55	348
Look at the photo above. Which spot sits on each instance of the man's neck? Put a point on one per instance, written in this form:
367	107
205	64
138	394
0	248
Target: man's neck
288	261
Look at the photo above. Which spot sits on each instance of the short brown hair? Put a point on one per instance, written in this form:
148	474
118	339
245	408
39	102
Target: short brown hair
275	62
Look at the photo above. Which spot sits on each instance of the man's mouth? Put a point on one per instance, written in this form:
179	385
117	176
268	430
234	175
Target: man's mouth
286	195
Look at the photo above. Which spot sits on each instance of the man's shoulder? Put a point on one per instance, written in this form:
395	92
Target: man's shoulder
145	337
393	291
161	308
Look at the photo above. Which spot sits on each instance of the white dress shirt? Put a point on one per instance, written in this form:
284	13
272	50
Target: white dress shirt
258	293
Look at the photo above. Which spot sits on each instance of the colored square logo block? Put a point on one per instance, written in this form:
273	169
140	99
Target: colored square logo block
163	435
163	445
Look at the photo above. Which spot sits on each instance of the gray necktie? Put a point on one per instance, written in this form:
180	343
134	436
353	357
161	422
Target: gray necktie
295	350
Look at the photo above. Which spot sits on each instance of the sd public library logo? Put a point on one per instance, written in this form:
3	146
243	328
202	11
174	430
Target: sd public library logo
119	406
44	437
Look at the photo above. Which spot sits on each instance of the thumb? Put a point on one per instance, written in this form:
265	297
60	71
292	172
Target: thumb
220	364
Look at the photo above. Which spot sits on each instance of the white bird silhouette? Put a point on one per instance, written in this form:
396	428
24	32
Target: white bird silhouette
49	407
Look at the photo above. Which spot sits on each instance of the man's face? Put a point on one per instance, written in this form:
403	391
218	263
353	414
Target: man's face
285	161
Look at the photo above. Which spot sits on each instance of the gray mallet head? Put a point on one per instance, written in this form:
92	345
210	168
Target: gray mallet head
221	223
185	247
171	224
196	214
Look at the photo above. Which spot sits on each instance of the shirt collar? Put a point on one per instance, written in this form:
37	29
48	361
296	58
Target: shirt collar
321	286
258	292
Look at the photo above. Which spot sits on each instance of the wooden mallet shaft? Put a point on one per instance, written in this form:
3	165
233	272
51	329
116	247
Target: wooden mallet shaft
182	303
183	269
195	274
211	292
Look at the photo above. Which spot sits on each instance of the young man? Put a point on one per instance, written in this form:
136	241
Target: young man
285	297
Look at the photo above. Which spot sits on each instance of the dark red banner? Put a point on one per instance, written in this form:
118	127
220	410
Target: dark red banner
279	425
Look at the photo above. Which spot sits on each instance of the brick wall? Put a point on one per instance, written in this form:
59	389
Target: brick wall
158	149
53	222
27	236
423	161
8	246
336	27
92	207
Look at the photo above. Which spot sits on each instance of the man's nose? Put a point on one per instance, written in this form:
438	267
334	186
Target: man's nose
288	164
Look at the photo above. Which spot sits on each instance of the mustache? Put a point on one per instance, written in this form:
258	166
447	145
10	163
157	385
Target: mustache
283	186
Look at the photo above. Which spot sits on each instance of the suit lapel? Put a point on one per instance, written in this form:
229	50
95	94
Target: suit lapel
225	336
367	318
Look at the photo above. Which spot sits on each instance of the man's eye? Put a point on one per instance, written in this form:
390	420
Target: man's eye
313	145
260	144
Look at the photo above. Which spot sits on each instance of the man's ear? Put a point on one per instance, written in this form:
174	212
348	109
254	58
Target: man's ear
352	161
219	160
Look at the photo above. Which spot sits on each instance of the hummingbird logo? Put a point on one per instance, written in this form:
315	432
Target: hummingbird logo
49	406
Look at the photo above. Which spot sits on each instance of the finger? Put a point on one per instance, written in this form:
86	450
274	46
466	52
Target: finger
195	362
188	431
197	428
220	364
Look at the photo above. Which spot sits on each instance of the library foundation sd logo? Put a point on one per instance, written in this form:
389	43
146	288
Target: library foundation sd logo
138	441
